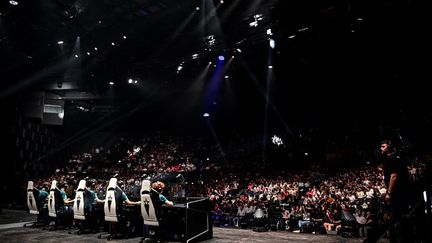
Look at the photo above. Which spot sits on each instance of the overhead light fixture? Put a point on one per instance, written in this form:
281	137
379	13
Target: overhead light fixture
130	81
239	50
124	37
76	56
221	58
253	23
112	43
269	32
179	68
206	114
13	3
270	67
210	40
197	8
88	53
95	49
60	42
258	16
277	140
291	37
272	43
111	83
195	56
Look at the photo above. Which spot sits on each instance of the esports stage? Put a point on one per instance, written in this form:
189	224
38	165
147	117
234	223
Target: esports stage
12	230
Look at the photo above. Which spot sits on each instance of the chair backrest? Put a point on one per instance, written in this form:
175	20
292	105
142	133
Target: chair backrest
52	200
78	206
147	206
259	213
110	206
31	198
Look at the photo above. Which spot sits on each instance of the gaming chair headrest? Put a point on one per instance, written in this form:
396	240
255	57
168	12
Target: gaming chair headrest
112	184
30	185
81	185
145	186
53	184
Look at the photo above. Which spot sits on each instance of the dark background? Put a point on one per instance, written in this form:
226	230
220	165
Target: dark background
338	66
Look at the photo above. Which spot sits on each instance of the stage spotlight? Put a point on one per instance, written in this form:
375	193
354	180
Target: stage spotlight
206	114
130	81
197	8
60	42
179	68
269	32
272	43
221	58
76	56
270	67
124	37
88	53
136	81
13	3
291	37
112	43
238	50
277	140
95	49
210	41
111	83
258	16
194	56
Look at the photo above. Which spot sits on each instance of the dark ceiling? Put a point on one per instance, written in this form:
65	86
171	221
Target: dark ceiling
327	52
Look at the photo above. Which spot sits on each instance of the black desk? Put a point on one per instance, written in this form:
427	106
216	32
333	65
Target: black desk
189	221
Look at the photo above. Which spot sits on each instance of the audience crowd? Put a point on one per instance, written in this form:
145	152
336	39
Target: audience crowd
242	184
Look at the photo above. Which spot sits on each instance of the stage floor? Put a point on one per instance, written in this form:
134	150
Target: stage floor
12	230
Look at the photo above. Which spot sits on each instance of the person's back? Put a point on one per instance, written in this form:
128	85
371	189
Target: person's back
42	197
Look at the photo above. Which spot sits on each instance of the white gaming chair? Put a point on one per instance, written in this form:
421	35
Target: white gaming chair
110	206
31	200
32	197
147	207
52	200
78	206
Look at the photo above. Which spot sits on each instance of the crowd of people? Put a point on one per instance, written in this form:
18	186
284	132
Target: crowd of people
243	188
